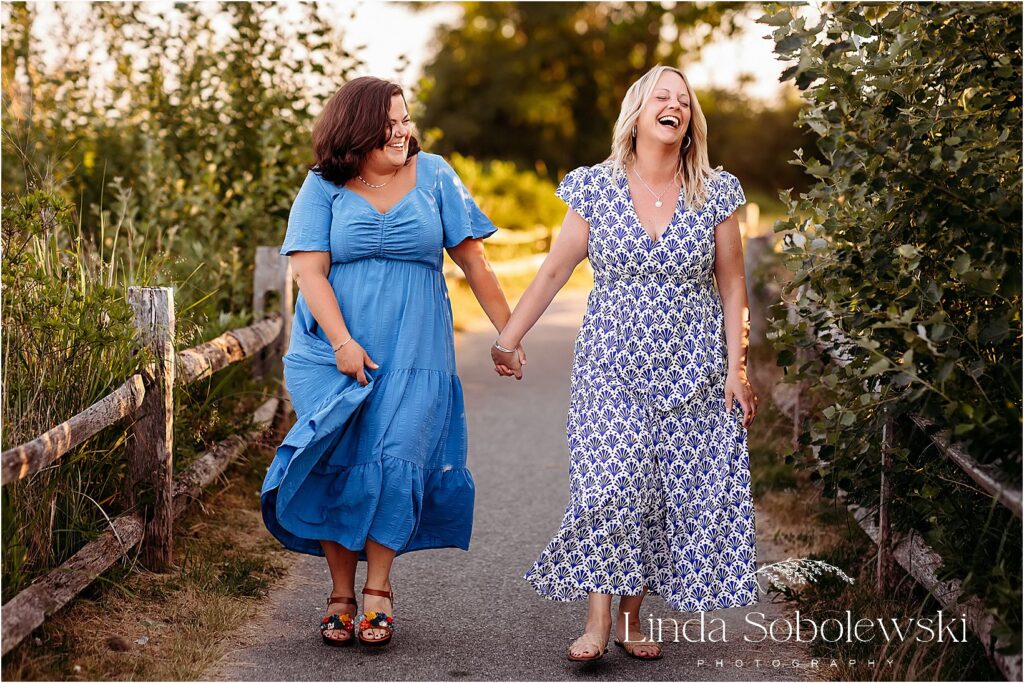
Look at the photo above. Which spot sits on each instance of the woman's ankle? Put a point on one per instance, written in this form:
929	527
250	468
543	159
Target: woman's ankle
348	591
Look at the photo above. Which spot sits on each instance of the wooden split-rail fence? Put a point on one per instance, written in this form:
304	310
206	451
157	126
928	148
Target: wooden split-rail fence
909	549
152	496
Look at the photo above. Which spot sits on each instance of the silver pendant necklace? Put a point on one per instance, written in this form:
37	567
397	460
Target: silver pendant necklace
657	197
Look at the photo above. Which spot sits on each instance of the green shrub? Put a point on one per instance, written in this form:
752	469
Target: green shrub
513	199
907	271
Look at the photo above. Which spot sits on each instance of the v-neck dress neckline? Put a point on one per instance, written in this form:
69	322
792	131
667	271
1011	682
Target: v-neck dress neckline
404	197
671	221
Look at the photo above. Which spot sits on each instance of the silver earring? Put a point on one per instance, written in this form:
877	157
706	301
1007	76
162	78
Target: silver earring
687	145
634	131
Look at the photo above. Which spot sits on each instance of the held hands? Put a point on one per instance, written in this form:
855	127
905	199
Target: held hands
351	360
509	363
737	388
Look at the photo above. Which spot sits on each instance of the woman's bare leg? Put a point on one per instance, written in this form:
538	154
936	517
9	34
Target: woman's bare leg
378	576
599	623
342	564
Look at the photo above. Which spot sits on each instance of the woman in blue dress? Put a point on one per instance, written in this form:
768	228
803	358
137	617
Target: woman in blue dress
375	465
659	479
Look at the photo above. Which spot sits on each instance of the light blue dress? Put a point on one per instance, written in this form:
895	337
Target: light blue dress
386	461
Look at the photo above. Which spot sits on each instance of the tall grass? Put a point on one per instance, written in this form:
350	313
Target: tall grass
68	341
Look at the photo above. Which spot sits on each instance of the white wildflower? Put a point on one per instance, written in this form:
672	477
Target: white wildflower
793	571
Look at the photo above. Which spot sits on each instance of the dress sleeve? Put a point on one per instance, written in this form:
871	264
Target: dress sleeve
730	197
309	221
575	191
461	218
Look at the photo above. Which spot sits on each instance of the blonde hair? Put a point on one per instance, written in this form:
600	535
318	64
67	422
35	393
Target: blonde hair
694	166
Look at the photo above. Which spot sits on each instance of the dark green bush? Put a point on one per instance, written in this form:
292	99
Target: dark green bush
906	261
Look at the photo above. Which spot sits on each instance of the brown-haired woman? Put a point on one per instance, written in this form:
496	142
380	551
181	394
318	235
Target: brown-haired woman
375	465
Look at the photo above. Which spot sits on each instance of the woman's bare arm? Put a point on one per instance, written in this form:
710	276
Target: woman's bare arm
469	255
567	252
732	286
310	270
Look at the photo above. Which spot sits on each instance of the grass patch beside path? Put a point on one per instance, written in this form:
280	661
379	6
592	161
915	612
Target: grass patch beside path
132	624
895	659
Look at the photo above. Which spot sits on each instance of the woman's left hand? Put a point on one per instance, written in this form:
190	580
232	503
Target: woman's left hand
737	388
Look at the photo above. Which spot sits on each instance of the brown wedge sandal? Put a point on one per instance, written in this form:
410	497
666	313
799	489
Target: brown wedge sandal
377	620
339	621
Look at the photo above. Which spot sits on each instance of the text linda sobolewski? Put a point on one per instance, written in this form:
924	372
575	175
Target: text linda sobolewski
802	629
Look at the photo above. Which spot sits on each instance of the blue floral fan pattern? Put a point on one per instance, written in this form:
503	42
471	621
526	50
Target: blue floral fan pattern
659	471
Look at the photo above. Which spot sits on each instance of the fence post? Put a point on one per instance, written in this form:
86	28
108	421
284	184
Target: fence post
272	273
149	480
885	573
756	245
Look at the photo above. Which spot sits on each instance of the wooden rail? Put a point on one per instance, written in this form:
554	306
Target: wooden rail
152	496
18	463
909	549
985	476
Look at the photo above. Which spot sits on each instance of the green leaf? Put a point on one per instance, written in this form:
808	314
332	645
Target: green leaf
907	250
789	43
782	18
880	365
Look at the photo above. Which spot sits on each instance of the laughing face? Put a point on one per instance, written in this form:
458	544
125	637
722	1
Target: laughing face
396	149
665	116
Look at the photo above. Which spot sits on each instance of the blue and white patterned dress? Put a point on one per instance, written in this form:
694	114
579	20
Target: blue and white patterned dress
659	473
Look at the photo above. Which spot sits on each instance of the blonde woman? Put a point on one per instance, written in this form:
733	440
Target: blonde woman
659	495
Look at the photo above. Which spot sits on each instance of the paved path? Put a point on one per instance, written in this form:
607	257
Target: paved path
470	615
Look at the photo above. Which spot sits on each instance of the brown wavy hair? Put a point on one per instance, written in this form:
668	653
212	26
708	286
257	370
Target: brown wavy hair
354	122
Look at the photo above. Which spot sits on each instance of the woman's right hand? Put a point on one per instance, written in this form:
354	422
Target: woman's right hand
509	364
352	359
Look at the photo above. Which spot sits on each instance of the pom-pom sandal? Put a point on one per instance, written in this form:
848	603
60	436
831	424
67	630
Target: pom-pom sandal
339	621
377	620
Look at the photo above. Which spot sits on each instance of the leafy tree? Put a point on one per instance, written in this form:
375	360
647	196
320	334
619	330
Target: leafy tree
540	83
197	139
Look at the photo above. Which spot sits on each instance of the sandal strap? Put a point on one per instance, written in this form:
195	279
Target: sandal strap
344	599
591	639
381	594
380	620
338	622
631	645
